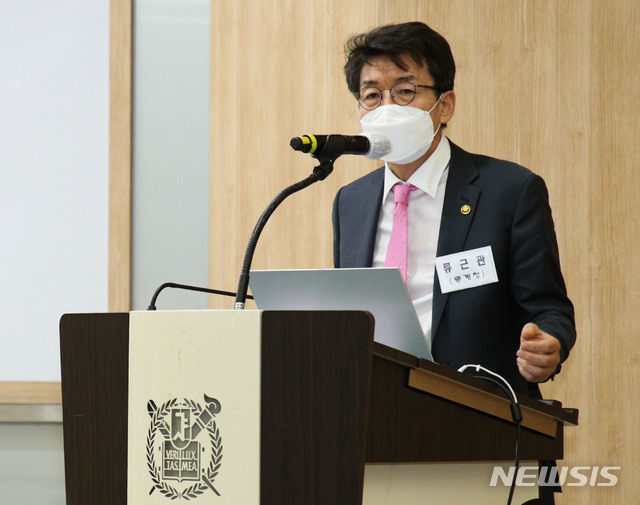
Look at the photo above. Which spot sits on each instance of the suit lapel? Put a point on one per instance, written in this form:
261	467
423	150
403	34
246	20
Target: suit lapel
460	201
364	221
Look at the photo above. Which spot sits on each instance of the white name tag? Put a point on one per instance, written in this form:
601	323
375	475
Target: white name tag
466	269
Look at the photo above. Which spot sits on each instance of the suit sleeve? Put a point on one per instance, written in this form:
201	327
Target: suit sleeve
536	278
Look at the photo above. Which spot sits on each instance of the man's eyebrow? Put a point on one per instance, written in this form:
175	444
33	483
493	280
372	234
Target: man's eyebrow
404	78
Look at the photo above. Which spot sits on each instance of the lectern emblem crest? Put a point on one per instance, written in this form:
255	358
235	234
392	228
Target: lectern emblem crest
190	449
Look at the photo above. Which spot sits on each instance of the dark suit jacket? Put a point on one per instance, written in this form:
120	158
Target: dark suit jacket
510	212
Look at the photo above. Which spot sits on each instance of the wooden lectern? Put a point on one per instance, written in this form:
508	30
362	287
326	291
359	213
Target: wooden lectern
331	400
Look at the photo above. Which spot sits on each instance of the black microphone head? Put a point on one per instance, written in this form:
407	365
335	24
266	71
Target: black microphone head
307	143
296	143
326	147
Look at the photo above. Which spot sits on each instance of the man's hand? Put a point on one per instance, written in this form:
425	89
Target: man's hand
539	354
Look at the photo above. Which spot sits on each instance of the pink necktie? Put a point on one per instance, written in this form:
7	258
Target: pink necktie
397	251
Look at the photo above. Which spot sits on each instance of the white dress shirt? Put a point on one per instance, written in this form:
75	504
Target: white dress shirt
423	226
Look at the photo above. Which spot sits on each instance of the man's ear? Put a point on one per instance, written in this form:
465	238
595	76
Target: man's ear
447	106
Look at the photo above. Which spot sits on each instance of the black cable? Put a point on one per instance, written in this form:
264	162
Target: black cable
516	415
516	463
152	305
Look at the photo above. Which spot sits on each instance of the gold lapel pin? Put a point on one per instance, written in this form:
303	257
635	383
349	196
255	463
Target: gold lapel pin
465	209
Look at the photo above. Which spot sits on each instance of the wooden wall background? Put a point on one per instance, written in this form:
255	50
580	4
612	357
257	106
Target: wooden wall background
550	84
120	147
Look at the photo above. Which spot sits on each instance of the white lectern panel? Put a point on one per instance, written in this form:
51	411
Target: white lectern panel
194	407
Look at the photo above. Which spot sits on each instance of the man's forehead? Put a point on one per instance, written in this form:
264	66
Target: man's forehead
383	66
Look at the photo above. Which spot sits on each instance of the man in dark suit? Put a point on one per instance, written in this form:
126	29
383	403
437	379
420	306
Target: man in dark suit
520	325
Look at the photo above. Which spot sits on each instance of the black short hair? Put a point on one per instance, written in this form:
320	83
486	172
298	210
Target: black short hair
423	44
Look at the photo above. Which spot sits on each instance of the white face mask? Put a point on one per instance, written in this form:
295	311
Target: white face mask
409	130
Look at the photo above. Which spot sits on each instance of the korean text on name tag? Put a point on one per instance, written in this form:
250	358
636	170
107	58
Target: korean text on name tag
466	269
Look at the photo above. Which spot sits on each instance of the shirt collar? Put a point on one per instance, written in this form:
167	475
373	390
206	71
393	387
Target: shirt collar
427	177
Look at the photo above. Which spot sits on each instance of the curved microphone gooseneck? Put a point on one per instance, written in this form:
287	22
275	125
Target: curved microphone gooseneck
319	174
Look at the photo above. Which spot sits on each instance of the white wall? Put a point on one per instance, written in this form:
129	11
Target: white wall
54	110
54	166
54	176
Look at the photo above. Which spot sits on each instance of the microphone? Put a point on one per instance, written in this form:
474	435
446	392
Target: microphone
331	146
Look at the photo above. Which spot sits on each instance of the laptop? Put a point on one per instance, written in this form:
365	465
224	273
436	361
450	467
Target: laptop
380	291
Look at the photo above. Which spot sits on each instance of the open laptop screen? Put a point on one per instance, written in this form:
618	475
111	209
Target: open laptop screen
380	291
